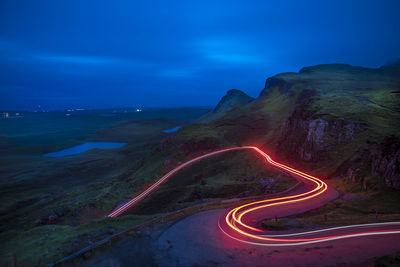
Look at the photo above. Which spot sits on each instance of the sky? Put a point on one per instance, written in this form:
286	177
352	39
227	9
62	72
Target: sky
100	54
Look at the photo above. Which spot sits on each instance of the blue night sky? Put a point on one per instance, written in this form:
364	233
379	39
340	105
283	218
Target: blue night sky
65	54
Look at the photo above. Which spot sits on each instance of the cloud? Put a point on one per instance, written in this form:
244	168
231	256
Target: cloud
78	59
178	73
227	50
200	48
232	58
94	61
13	52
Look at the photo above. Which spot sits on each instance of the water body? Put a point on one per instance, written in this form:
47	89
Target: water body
83	148
172	130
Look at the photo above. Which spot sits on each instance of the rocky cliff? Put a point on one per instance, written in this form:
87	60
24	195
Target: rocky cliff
375	165
385	161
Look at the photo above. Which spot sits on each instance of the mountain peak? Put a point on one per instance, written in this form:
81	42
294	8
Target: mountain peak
236	92
232	98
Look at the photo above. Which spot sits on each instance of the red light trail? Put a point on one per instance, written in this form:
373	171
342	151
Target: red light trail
241	231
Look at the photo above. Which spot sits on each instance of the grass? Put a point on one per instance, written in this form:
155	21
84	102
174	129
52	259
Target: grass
385	98
196	131
337	100
214	179
388	260
279	107
89	186
81	188
360	207
48	243
274	225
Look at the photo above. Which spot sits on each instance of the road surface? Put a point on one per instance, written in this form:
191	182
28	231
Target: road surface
233	237
242	223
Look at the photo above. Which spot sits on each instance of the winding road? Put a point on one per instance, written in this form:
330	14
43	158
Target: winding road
242	223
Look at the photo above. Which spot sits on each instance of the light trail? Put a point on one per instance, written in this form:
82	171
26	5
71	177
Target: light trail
163	179
235	222
285	244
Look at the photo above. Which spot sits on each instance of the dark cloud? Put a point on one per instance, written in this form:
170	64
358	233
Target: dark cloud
178	53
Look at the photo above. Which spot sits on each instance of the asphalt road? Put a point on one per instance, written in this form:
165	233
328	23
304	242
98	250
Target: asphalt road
233	237
197	240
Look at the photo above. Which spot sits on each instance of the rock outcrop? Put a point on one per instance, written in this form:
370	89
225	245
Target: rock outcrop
310	139
381	161
307	136
385	161
282	85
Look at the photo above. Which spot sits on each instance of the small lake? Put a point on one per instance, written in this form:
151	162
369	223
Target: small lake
83	148
172	130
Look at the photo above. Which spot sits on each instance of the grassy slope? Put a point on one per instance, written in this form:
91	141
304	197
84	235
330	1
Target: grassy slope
82	188
344	93
78	188
341	95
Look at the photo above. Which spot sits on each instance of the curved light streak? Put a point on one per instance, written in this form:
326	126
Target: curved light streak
163	179
308	242
234	220
337	228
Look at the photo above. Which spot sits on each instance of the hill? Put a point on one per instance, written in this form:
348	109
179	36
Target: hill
234	98
336	119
